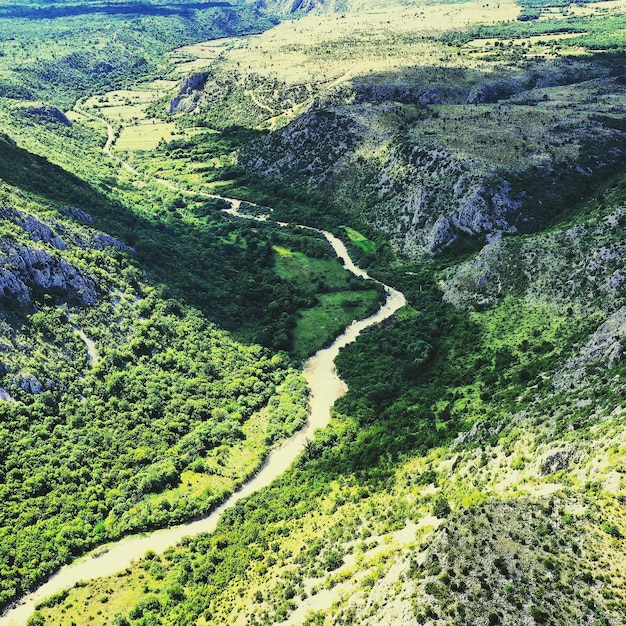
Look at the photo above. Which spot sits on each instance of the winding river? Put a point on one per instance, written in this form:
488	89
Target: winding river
325	388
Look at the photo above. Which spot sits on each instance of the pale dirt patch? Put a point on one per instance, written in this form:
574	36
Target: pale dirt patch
350	589
540	491
93	356
208	49
162	85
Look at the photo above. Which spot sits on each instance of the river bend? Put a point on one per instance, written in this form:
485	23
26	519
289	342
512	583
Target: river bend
325	389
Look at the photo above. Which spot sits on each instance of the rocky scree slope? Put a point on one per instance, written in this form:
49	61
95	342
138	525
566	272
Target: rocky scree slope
578	269
224	95
31	261
53	264
480	163
579	266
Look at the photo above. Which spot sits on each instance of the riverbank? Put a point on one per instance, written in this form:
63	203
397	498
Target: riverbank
325	389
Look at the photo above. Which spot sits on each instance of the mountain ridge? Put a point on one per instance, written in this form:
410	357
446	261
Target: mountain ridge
152	345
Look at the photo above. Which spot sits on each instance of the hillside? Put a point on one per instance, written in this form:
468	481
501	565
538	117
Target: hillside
471	156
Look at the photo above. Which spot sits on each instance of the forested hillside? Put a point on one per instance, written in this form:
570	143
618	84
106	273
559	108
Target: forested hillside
471	156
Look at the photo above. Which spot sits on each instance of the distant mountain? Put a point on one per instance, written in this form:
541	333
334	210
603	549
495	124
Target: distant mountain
290	6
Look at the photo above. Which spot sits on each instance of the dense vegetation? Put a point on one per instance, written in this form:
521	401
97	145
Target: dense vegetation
102	46
148	372
107	430
110	429
375	468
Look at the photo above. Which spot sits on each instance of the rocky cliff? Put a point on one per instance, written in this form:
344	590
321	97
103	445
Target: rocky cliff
422	197
32	262
580	266
431	174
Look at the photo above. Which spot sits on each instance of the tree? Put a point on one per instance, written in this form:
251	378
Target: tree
441	507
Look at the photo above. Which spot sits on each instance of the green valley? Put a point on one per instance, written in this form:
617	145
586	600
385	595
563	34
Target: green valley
166	172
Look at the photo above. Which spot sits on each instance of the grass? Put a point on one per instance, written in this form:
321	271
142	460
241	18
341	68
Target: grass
146	136
223	468
308	273
360	241
533	40
123	106
194	57
320	49
337	302
128	109
319	325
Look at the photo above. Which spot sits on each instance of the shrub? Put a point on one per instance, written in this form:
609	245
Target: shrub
441	507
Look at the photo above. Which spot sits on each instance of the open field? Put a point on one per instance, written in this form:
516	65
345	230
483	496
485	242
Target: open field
124	105
543	40
195	57
278	73
590	8
323	48
319	324
146	136
128	109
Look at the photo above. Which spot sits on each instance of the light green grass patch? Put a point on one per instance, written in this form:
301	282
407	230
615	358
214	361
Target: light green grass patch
285	251
360	241
234	240
317	326
406	312
145	136
308	273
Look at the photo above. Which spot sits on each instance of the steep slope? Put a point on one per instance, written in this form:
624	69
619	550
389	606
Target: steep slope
123	407
392	516
447	137
108	427
473	473
433	168
58	53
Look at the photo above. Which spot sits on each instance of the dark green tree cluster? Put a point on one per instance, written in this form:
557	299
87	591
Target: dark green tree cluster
126	42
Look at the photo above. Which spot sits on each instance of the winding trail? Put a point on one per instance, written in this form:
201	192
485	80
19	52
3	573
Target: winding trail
325	388
93	356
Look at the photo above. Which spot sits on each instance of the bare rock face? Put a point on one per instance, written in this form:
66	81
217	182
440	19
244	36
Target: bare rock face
24	268
306	151
581	265
478	283
5	396
435	198
605	348
30	384
100	241
32	263
188	94
39	231
423	197
50	112
36	229
58	235
559	461
11	287
78	215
